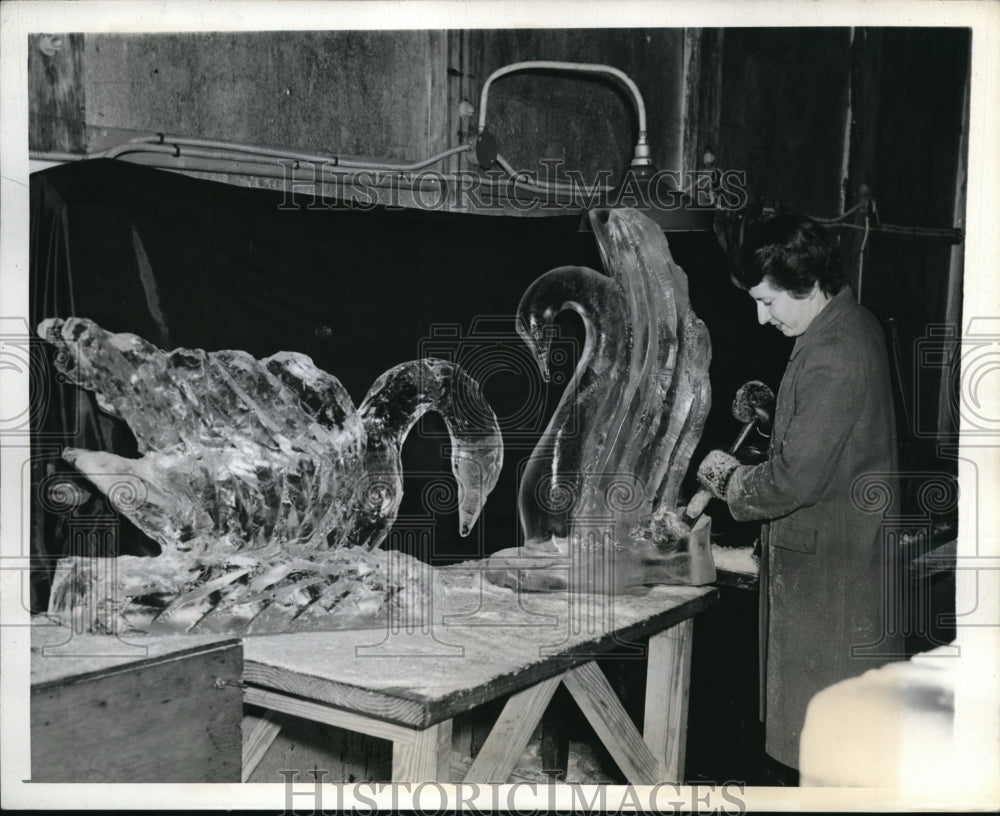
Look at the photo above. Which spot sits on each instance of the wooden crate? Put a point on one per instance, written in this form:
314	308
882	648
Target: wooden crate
169	710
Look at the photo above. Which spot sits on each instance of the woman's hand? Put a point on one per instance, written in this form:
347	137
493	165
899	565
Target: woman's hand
715	470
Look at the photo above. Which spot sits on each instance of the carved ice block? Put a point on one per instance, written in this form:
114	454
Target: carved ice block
599	496
264	486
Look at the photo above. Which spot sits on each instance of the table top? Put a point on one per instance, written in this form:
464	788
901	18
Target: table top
482	643
735	566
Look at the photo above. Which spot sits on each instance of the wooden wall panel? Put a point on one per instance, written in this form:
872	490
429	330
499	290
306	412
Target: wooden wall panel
374	93
784	112
916	156
56	99
702	91
919	110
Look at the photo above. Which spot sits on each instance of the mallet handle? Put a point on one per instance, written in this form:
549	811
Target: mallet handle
700	500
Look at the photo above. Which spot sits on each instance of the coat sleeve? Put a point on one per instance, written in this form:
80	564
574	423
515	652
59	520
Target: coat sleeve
826	403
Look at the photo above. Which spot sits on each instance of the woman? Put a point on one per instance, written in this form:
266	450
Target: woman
824	579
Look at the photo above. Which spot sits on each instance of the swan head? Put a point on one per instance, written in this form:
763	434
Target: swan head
476	475
537	335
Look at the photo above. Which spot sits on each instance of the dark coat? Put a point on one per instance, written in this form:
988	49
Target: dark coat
831	474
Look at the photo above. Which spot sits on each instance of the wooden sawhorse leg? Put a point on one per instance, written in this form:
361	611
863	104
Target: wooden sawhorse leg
512	732
668	683
259	731
426	757
418	754
657	755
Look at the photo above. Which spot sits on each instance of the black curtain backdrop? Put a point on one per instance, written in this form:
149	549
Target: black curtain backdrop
190	263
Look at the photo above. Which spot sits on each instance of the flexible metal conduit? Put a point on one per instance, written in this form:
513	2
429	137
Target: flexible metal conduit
548	187
572	67
240	159
178	146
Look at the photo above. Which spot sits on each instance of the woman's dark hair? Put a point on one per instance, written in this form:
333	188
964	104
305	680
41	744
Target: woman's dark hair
793	252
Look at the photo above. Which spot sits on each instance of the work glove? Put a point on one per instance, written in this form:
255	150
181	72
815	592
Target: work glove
754	398
715	471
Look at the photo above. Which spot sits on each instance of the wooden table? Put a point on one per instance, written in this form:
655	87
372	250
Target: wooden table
405	683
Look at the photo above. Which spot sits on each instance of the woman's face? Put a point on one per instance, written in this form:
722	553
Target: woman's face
789	315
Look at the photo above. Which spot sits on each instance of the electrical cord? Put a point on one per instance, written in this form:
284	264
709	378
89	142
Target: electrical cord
861	255
845	215
953	235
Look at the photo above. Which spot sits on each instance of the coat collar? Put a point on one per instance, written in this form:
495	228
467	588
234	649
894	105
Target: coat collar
840	304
